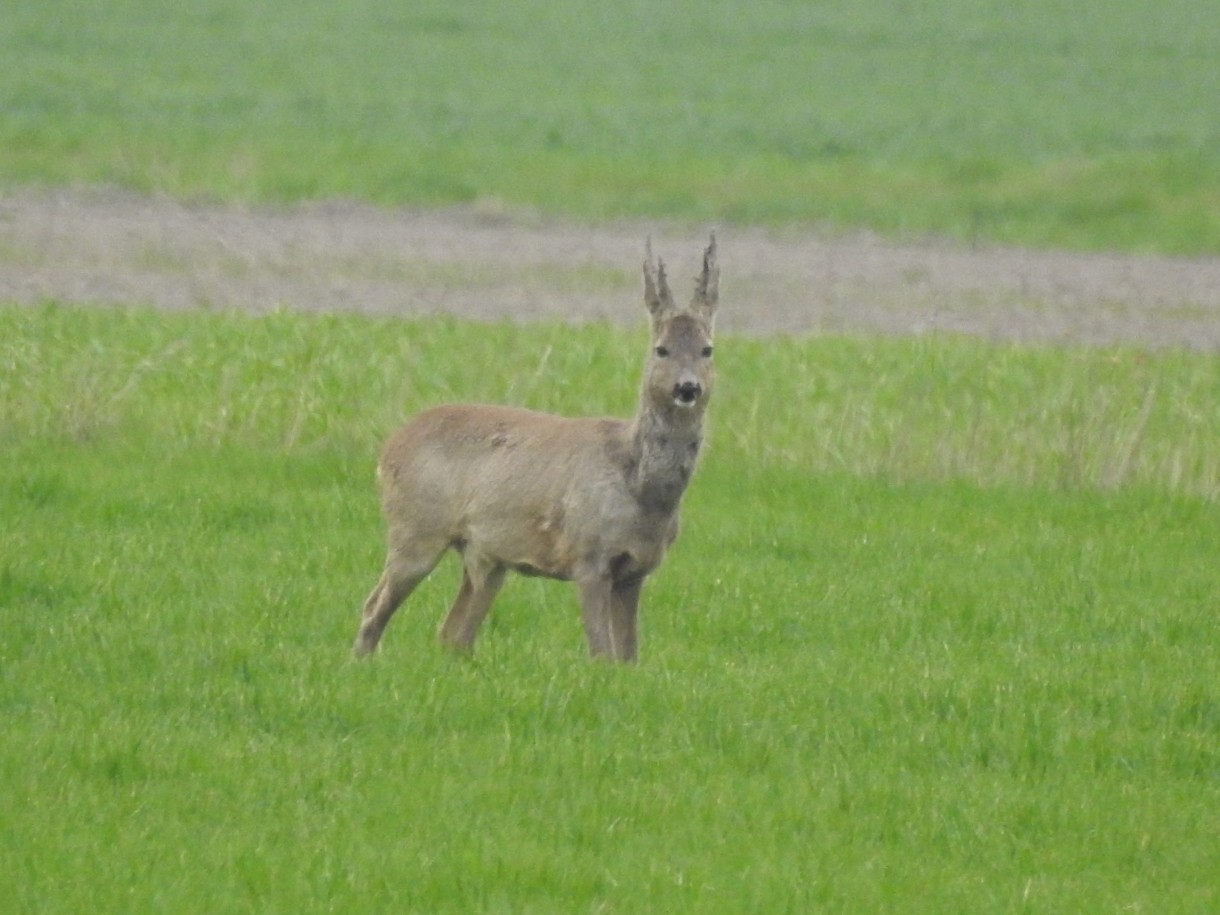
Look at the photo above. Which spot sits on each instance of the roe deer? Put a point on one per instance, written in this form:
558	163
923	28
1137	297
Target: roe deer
594	501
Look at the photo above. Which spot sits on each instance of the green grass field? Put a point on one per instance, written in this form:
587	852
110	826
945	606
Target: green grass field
1085	125
939	636
940	633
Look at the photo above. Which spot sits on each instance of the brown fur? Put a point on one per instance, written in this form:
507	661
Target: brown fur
594	501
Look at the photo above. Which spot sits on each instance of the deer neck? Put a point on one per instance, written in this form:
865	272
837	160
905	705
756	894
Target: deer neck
666	446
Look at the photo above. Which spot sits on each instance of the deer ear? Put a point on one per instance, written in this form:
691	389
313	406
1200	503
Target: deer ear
656	288
707	286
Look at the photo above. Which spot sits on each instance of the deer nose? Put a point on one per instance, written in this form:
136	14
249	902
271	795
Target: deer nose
687	392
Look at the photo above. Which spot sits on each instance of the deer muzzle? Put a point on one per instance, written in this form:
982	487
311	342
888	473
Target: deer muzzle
687	392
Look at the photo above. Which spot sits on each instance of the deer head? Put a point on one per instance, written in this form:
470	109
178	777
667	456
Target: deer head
678	375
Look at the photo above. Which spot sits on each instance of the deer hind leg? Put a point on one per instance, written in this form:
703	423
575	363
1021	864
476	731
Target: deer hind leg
481	581
408	562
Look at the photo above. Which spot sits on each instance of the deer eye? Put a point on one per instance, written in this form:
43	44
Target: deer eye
707	352
662	351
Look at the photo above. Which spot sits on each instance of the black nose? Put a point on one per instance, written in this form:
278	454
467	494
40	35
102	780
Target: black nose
687	391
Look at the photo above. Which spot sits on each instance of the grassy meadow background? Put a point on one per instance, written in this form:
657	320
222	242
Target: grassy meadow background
940	634
1087	125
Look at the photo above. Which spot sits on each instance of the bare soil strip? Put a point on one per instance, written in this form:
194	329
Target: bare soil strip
109	248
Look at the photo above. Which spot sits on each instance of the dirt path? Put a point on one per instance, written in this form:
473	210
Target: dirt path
111	248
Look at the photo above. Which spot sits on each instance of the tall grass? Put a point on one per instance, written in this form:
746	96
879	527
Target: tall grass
884	670
1036	122
934	409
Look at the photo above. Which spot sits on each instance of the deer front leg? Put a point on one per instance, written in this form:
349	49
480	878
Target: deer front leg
610	611
624	611
596	595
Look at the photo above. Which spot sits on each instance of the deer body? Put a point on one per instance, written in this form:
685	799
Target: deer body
594	501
